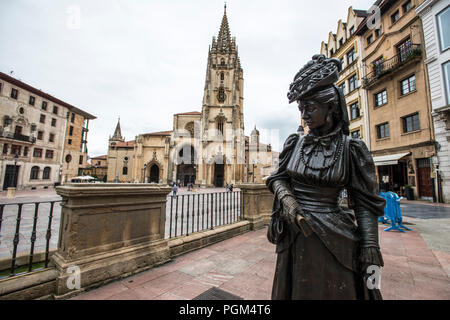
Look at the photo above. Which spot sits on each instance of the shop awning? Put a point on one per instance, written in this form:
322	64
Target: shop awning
389	159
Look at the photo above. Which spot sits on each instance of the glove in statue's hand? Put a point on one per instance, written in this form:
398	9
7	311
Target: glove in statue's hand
293	215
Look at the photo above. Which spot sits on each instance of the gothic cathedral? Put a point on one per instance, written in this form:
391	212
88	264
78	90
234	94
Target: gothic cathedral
206	148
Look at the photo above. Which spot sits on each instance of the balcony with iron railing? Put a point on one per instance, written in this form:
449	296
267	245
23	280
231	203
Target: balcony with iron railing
404	57
18	136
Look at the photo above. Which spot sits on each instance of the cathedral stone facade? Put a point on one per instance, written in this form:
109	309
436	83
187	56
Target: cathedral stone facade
207	148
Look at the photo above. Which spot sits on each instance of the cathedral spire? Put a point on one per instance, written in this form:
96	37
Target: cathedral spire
118	132
224	37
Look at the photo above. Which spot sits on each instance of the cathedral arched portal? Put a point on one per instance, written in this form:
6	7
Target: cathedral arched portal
186	165
154	174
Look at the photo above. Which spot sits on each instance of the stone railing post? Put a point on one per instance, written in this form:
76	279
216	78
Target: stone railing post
257	202
108	231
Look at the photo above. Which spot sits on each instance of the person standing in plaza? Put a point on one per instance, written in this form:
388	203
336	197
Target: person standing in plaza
174	190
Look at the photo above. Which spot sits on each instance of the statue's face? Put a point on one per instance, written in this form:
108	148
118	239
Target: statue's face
314	114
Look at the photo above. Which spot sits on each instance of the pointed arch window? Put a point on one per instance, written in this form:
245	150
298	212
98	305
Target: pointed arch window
124	171
222	62
222	76
220	125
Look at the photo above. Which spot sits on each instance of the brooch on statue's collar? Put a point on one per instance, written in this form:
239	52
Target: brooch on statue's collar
317	73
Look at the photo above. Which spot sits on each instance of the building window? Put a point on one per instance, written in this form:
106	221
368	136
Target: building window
55	109
25	151
80	161
443	21
220	126
48	154
378	65
356	134
42	118
354	111
68	158
222	76
408	85
124	171
72	118
352	83
15	149
351	56
383	130
44	105
14	93
352	30
380	98
342	62
5	148
51	137
46	173
1	86
18	130
69	141
378	32
446	67
406	7
342	87
37	153
70	130
411	123
34	174
31	100
341	42
40	135
370	39
53	122
404	49
395	16
331	52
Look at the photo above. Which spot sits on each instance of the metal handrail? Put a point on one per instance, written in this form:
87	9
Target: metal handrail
33	238
189	213
410	52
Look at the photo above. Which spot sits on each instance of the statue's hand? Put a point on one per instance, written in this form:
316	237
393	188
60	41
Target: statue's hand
293	214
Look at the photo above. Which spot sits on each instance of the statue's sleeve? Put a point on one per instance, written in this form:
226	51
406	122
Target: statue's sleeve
366	202
362	186
285	155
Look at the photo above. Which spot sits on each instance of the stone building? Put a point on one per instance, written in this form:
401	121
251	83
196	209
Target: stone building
346	46
206	147
98	167
435	17
395	77
75	145
33	126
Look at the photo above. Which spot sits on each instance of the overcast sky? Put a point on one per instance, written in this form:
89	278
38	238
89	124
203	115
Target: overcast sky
144	60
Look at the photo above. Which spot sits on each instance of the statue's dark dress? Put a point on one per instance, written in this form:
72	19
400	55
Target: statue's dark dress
325	264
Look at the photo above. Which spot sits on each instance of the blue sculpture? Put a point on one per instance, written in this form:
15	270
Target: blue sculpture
392	212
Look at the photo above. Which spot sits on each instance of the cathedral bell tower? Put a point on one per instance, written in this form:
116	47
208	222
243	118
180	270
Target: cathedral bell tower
222	109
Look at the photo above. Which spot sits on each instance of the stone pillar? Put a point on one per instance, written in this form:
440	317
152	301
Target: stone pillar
257	203
109	231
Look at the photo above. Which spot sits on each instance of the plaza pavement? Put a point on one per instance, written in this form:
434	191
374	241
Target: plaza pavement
244	266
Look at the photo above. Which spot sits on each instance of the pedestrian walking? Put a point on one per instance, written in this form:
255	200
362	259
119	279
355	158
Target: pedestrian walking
174	190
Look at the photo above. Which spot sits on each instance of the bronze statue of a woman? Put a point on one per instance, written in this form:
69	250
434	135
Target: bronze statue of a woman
322	252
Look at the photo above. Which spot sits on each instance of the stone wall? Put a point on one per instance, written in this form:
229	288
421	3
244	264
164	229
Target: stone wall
111	231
